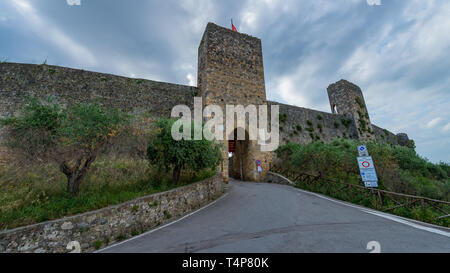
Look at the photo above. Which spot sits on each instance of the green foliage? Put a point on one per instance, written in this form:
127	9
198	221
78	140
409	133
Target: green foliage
167	214
346	122
319	117
320	127
37	193
139	81
282	117
98	244
309	123
121	237
52	132
360	102
413	144
299	127
362	125
167	153
52	71
399	169
134	233
336	124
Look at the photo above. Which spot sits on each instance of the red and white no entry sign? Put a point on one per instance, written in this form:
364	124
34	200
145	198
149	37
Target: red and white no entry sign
365	162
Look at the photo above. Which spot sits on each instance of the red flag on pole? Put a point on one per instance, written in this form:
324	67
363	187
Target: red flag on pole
232	26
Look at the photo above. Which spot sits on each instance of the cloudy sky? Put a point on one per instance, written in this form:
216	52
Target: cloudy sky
398	52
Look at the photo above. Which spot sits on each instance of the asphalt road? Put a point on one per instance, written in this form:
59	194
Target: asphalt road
259	217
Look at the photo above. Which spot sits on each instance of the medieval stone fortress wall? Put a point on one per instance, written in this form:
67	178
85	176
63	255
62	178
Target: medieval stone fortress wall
230	71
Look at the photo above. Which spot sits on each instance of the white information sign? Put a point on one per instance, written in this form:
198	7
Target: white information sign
369	175
371	184
367	170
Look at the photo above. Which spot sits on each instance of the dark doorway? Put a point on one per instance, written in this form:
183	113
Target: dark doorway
238	157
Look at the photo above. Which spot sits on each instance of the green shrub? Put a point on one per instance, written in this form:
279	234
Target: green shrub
346	122
282	117
98	244
166	152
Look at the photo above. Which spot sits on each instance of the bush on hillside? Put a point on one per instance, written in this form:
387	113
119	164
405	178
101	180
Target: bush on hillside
168	153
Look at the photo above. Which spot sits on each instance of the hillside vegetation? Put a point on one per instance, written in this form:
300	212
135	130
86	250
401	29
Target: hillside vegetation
69	159
316	166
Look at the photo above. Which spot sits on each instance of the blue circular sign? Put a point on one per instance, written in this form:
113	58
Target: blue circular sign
258	162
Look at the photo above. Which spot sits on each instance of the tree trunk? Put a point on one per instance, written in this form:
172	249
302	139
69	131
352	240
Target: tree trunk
75	175
176	174
73	184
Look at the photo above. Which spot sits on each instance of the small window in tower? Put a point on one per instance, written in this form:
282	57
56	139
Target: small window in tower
334	109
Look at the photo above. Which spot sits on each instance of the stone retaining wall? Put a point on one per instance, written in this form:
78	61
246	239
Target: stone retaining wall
97	229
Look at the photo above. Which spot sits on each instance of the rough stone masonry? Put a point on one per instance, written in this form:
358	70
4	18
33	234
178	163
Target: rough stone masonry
230	71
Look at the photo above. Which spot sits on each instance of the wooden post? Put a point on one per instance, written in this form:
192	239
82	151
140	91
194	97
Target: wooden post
381	200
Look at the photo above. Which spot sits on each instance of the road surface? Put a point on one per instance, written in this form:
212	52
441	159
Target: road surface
260	217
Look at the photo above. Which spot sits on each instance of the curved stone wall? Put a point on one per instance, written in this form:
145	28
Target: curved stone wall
97	229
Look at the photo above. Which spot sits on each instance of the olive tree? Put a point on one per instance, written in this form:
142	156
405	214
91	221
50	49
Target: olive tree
73	136
168	153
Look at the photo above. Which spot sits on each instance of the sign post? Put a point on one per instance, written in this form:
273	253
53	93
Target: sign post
259	168
367	168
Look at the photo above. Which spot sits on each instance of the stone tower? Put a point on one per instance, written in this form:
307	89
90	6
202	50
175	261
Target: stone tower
347	99
231	71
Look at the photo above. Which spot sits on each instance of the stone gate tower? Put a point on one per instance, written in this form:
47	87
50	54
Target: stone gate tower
231	71
347	99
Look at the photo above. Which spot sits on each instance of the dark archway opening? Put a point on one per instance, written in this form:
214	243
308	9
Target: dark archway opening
238	157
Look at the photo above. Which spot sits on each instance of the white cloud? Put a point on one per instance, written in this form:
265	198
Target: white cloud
192	81
53	34
74	2
446	127
373	2
434	122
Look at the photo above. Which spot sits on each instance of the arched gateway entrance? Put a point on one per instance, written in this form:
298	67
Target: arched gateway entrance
238	158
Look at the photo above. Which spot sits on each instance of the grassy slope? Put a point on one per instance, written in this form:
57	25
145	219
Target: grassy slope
38	193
